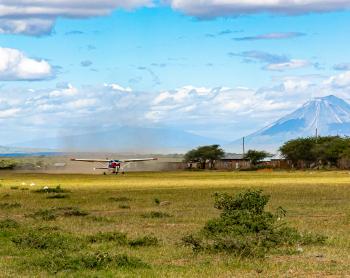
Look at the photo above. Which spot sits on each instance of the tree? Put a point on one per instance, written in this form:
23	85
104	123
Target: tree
300	149
319	151
255	156
205	154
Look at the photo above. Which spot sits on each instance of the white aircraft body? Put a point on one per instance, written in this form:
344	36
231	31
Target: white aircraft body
113	165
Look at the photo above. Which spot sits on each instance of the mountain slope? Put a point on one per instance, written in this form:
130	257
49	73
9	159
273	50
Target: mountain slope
330	115
126	139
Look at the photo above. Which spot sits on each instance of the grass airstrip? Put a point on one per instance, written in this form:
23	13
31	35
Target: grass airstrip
132	225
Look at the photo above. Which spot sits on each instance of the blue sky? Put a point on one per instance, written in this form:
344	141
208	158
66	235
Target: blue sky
218	69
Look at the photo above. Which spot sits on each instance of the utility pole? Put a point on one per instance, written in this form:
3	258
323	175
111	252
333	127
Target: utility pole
243	141
316	134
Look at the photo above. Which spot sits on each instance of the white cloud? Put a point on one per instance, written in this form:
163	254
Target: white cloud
9	112
339	81
208	105
37	17
14	65
211	111
214	8
291	64
68	90
117	87
271	36
31	26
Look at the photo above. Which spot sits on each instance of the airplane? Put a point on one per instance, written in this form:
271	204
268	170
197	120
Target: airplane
113	165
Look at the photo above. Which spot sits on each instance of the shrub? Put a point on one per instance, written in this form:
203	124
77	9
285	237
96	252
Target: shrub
144	241
8	224
156	201
244	228
194	242
61	261
72	211
14	187
156	214
53	213
124	206
119	238
9	205
46	240
7	164
120	199
96	261
44	214
58	196
56	189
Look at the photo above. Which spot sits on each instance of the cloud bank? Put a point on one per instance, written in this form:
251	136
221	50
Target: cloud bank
38	17
218	8
15	66
225	111
272	62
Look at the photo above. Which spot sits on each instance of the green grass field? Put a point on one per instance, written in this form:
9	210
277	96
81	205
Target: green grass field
315	201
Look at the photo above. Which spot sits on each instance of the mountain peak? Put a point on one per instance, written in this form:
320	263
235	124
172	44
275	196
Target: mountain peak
329	97
330	115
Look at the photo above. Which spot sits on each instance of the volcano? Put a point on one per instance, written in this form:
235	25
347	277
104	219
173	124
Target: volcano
328	115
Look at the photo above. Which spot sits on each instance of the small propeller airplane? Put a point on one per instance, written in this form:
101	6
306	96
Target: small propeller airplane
113	165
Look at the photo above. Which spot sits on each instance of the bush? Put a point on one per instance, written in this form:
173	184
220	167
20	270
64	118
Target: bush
244	228
46	240
144	241
56	189
53	213
8	224
72	211
44	214
9	205
156	214
58	196
119	238
7	164
124	206
61	261
120	199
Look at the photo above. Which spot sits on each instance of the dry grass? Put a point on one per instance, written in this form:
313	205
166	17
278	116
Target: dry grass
315	201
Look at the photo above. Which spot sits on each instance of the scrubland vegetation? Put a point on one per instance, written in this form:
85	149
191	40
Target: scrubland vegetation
184	224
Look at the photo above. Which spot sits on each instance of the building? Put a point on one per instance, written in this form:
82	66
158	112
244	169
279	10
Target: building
232	161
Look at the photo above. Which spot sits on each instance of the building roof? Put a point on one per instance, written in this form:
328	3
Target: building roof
232	156
237	156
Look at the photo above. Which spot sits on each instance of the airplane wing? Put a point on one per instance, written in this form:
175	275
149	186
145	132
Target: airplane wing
138	159
90	160
108	160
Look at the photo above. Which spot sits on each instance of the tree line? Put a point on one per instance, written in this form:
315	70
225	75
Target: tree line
210	154
316	151
301	152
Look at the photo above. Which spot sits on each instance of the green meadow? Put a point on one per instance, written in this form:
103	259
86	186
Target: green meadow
132	225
